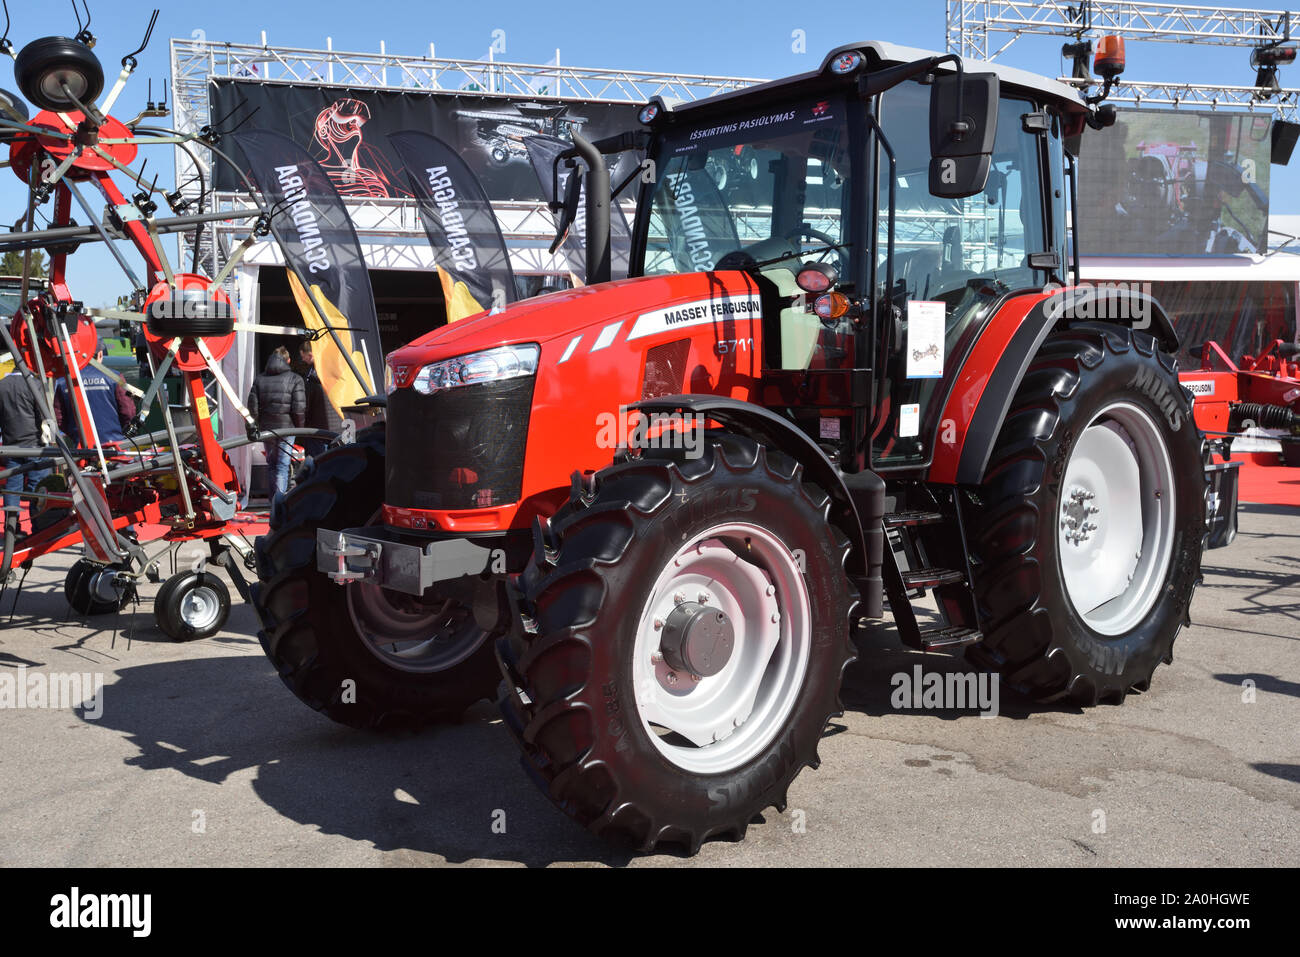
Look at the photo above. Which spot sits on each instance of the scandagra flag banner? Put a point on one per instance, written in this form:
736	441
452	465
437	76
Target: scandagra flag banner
471	256
327	271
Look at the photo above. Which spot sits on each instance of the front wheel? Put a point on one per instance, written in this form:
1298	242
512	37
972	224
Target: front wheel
363	655
1089	527
692	623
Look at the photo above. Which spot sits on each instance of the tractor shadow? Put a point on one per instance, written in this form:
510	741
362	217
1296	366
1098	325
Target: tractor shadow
880	681
457	792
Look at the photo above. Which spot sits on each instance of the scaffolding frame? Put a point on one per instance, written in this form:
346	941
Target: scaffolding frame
195	62
970	24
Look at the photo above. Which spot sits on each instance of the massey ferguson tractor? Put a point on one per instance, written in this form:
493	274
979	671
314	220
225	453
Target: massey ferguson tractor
665	509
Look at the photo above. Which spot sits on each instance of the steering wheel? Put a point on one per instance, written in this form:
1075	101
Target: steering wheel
832	245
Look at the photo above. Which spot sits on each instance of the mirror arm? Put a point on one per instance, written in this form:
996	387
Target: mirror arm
882	80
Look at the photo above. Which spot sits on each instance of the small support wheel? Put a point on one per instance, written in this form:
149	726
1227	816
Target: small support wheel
94	589
45	66
191	605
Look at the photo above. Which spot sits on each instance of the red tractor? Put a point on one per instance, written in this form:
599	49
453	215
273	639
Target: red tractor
665	508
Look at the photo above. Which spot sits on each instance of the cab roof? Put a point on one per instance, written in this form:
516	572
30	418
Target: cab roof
880	54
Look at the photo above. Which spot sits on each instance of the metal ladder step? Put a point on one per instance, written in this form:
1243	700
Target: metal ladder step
900	519
952	637
931	577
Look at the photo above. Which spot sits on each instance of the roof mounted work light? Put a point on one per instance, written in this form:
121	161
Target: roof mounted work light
846	63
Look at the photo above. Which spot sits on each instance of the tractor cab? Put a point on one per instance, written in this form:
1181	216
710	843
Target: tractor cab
881	233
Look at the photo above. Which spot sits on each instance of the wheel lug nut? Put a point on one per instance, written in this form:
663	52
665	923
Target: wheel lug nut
656	657
671	678
659	624
770	590
678	598
775	618
703	598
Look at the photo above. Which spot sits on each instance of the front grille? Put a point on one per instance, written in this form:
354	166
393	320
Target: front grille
460	448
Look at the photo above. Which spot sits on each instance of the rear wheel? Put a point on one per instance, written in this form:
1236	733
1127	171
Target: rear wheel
1091	520
692	623
362	655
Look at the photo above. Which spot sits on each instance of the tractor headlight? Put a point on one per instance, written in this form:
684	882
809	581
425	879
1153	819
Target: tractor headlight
492	365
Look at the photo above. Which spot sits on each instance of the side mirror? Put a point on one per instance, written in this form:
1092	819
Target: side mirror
567	208
963	123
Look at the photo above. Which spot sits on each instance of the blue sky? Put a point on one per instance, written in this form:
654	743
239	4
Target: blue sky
694	36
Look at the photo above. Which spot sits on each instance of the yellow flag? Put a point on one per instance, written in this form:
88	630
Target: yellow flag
340	385
460	301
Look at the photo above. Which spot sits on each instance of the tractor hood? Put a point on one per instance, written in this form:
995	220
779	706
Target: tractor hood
568	325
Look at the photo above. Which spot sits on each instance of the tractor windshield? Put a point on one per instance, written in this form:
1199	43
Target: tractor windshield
751	188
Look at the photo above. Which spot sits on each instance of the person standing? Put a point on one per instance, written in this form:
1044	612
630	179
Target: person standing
278	400
318	405
20	426
111	406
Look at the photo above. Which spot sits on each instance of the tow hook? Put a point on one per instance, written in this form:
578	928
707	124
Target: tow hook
363	564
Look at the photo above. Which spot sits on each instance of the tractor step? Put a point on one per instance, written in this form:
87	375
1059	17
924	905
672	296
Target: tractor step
953	637
901	519
931	577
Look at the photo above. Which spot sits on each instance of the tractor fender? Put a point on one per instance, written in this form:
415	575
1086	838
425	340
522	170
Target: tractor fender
846	491
982	390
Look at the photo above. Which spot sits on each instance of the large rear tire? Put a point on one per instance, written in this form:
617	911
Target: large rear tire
362	655
691	627
1089	528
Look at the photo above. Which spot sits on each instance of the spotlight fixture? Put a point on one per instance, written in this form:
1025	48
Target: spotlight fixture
1265	61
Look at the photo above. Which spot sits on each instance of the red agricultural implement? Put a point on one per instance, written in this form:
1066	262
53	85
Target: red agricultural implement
1258	395
175	485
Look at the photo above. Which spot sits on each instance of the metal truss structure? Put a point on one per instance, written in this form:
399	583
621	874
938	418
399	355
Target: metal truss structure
971	24
390	229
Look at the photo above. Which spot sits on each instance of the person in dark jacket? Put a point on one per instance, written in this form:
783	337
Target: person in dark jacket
278	400
20	426
318	405
111	406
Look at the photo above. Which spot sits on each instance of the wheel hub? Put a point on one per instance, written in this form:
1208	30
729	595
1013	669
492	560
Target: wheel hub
1079	516
697	639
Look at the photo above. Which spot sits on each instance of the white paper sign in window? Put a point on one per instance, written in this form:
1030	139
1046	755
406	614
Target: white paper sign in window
924	345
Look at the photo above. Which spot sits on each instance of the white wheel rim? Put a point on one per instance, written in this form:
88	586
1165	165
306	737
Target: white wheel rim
1116	519
200	607
410	634
710	725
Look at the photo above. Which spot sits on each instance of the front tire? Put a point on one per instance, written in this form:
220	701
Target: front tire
691	627
361	655
1088	534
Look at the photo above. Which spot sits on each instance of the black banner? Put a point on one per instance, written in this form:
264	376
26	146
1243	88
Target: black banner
327	269
347	131
1173	183
542	151
472	259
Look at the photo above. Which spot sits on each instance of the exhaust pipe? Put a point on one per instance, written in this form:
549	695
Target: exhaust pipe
597	188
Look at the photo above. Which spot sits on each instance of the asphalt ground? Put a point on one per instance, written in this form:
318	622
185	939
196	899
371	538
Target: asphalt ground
202	757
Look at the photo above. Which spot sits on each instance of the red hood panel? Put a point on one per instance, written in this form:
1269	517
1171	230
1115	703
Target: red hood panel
567	313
